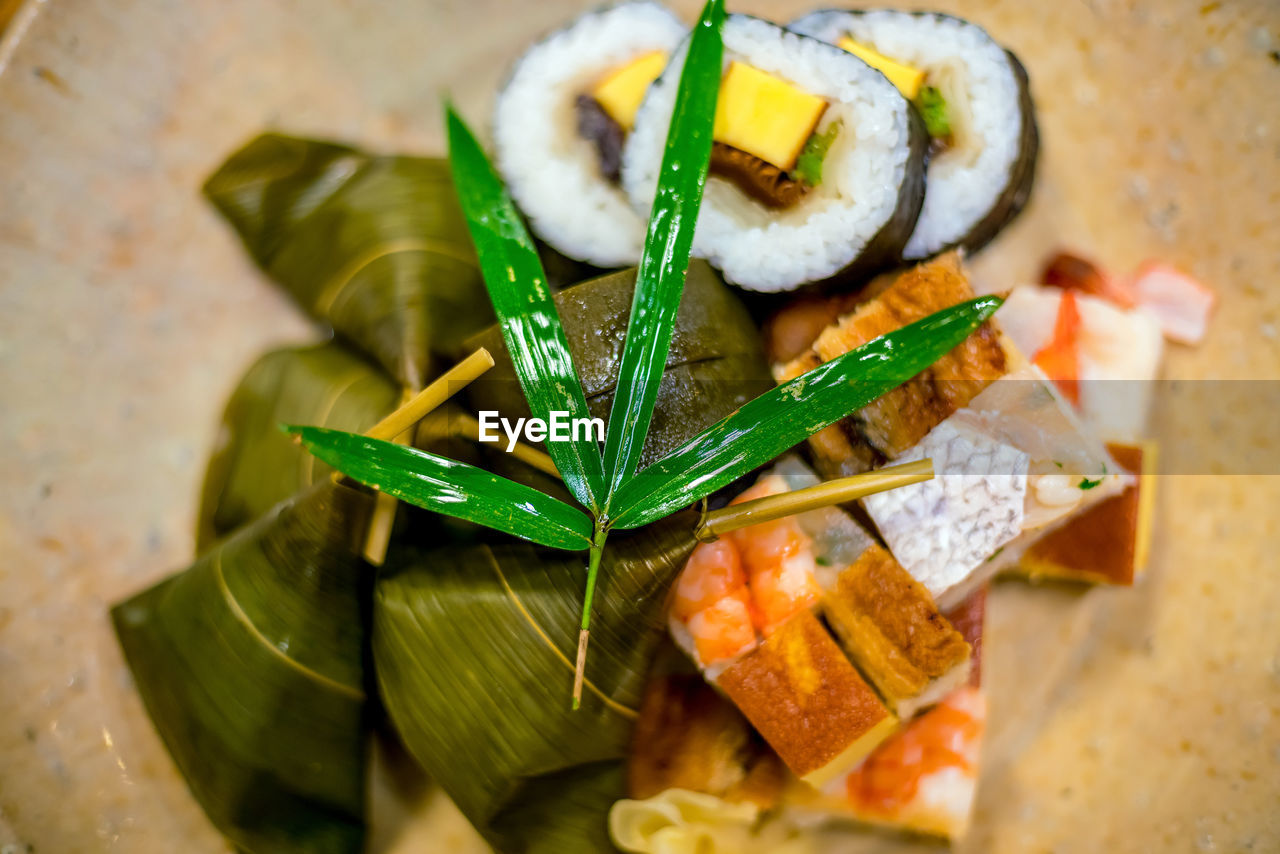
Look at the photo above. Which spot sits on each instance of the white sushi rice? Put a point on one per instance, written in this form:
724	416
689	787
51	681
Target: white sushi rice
964	182
771	250
552	172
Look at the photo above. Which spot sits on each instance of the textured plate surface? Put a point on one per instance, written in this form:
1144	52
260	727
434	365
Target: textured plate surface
1122	720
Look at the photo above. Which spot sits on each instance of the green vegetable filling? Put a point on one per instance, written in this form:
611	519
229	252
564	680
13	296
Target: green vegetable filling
933	109
1086	483
809	163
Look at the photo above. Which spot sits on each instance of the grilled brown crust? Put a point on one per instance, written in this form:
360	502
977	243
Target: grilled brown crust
690	737
901	418
804	696
892	628
686	737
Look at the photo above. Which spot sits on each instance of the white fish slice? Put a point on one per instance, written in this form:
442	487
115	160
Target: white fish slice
1013	465
943	529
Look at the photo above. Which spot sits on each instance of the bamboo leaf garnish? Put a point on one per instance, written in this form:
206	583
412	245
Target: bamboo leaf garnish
451	488
621	498
659	283
787	415
526	312
665	260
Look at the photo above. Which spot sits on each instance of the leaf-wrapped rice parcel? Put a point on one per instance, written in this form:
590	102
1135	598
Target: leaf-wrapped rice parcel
473	650
251	666
255	465
715	363
375	246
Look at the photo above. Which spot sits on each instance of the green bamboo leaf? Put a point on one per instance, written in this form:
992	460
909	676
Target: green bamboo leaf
526	312
661	274
786	415
451	488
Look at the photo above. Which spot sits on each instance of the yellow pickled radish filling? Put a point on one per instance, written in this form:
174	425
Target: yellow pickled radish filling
620	91
906	78
766	117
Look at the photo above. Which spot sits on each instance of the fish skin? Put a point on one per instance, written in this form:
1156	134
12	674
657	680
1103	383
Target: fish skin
944	529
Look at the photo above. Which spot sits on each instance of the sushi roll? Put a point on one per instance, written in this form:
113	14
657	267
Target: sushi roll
560	122
974	98
817	161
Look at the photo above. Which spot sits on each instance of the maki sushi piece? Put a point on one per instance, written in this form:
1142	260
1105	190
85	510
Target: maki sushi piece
816	166
974	98
561	120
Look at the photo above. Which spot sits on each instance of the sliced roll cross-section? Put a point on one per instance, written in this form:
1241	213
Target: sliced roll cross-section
974	98
560	122
817	160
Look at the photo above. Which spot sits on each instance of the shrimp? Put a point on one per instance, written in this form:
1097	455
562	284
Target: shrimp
723	629
926	774
713	605
779	560
714	571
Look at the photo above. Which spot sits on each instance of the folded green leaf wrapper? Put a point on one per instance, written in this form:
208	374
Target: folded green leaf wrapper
255	466
715	363
375	246
474	654
251	665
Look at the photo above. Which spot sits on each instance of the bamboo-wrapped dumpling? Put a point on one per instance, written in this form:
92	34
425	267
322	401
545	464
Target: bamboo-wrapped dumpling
251	665
715	364
255	465
464	637
374	246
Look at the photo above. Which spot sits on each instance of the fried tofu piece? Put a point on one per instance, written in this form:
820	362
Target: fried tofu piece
901	418
806	698
1107	543
891	628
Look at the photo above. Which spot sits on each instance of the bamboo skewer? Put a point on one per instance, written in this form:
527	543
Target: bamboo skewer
398	427
469	427
722	521
417	407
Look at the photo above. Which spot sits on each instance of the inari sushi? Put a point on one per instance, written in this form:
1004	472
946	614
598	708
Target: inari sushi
975	102
560	122
817	161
